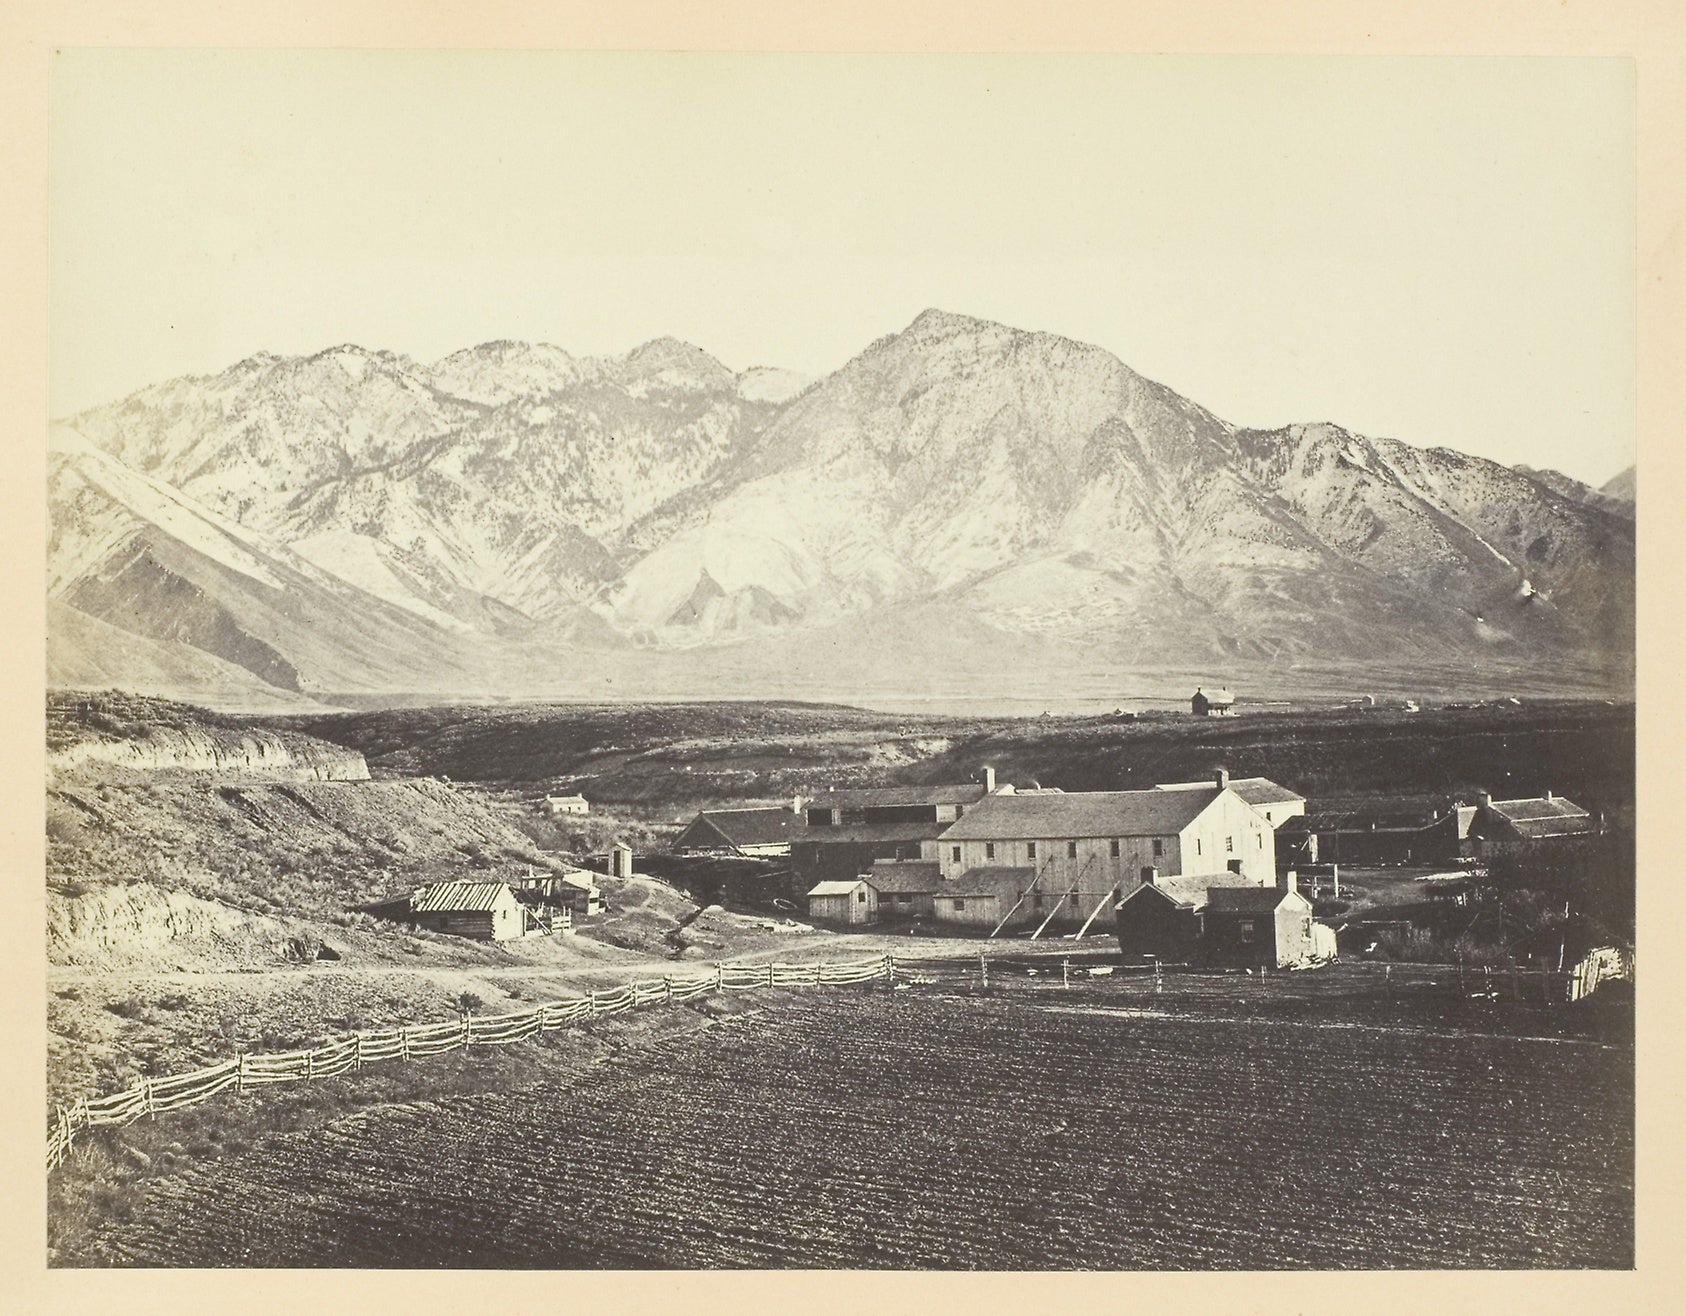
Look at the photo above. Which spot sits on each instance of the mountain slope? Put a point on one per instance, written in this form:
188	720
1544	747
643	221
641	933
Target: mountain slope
515	519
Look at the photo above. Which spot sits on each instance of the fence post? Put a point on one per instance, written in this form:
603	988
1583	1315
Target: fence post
983	970
146	1087
240	1075
1065	974
769	975
667	989
357	1051
467	1036
1158	977
1387	976
890	972
1460	975
404	1041
719	977
310	1065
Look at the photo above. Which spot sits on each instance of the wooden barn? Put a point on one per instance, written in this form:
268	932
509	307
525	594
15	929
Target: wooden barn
843	901
485	911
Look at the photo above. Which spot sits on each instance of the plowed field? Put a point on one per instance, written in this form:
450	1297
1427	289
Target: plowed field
918	1131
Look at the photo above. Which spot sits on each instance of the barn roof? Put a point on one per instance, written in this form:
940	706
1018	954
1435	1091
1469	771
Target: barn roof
893	797
465	897
1081	813
908	876
768	826
835	887
1255	790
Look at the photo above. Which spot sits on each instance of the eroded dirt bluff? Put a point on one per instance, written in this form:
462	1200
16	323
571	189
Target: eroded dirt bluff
98	733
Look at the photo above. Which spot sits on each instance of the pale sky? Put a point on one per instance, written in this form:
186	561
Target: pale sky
1440	251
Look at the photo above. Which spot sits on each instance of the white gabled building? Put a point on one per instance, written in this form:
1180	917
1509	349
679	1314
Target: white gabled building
1086	848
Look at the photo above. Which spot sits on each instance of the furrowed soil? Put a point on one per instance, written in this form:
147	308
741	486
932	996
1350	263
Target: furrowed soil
1103	1127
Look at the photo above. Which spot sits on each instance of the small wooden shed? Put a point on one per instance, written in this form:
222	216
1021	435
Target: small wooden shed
852	901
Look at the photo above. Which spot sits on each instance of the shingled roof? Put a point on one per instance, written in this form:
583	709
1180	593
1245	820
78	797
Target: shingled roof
1082	813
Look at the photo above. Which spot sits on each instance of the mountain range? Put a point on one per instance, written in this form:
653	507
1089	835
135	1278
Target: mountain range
963	506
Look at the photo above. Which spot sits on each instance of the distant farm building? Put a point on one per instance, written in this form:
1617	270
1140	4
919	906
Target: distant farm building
558	805
1216	702
1383	830
767	831
843	901
1548	818
485	911
1219	918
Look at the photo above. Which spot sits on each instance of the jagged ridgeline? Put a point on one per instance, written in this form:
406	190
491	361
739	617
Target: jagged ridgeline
962	500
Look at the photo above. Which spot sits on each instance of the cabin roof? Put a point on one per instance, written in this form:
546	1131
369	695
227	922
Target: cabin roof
464	897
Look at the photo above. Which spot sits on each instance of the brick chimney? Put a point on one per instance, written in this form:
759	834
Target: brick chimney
1548	797
1221	777
1288	880
796	803
1150	876
1484	799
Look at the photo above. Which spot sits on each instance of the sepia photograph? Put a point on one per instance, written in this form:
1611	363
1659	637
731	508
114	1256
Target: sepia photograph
851	662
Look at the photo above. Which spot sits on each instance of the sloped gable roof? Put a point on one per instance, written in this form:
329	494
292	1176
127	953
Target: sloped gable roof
917	877
1081	814
463	897
836	887
740	827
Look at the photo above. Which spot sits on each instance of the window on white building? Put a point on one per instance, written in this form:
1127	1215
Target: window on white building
1030	849
989	849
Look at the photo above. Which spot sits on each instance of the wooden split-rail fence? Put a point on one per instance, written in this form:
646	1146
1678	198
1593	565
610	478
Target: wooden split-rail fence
247	1071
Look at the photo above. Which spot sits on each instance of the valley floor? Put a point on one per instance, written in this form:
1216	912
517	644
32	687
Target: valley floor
1103	1127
